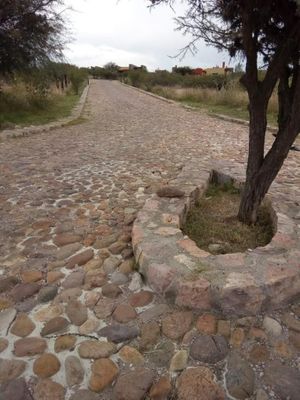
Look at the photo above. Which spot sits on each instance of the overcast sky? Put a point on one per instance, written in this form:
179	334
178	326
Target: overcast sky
126	31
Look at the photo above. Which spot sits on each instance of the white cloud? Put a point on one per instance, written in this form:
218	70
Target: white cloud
126	31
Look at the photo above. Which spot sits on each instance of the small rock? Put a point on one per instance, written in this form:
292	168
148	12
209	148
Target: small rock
15	389
65	342
124	313
111	290
76	312
104	372
209	349
224	328
91	325
169	191
24	290
199	384
46	365
111	264
291	322
22	326
130	355
84	394
237	337
91	298
117	247
80	258
8	283
105	242
96	349
239	377
54	276
31	276
68	295
161	389
74	371
48	390
127	266
118	278
179	361
11	369
175	325
133	385
55	325
154	312
104	308
119	333
162	354
150	332
259	353
47	313
283	380
47	294
141	299
64	239
74	280
29	346
95	278
272	326
136	283
6	318
207	324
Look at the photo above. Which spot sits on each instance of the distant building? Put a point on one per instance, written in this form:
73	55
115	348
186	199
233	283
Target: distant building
199	71
132	67
219	70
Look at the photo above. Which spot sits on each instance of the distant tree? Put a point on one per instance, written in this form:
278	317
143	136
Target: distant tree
257	30
111	66
182	70
31	32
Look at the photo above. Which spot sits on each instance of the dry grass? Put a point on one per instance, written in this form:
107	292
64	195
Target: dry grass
213	221
232	100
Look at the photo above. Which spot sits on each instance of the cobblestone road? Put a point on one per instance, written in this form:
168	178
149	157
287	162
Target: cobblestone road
67	201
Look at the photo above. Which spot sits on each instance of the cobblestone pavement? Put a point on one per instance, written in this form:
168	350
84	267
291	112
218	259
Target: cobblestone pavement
76	320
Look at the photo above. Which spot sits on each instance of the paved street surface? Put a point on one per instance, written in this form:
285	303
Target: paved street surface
67	202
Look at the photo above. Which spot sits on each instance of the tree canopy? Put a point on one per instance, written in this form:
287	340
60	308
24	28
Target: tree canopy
262	32
31	31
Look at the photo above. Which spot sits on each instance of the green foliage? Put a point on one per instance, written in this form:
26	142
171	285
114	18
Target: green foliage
149	80
31	33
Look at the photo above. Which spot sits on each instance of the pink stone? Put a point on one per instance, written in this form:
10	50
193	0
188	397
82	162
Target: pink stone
137	235
171	219
160	276
241	295
282	283
167	231
194	294
151	205
231	260
191	247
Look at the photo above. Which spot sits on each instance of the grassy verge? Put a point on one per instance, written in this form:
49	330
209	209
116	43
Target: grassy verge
231	101
214	226
17	108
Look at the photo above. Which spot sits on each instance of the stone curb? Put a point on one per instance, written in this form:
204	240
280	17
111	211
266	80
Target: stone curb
32	130
237	284
238	121
156	96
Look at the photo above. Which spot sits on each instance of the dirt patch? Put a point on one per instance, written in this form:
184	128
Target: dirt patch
212	223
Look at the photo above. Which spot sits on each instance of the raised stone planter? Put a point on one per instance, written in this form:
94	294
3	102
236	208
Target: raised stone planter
240	283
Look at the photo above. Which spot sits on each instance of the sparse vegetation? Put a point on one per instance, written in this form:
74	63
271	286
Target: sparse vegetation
214	226
41	96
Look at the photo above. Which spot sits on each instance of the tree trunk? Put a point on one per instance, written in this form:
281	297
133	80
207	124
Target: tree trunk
253	193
